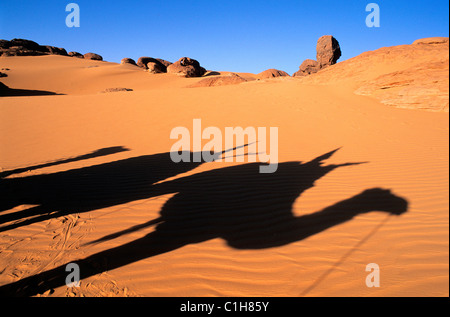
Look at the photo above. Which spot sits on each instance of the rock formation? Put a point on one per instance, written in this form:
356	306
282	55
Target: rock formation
328	51
52	50
157	65
93	56
412	76
156	68
75	54
164	62
271	73
186	67
142	61
308	67
127	60
21	47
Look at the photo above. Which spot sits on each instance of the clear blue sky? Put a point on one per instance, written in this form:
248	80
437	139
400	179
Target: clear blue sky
231	35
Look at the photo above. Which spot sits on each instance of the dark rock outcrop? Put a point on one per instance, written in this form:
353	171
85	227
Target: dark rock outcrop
153	65
52	50
156	68
328	51
142	61
75	54
93	56
27	44
21	47
127	60
4	44
308	67
186	67
164	62
20	51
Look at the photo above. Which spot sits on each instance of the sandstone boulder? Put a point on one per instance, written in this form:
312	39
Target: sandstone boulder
93	56
161	64
75	54
156	68
4	44
127	60
21	47
186	67
308	67
52	50
328	51
271	73
20	51
142	61
164	62
26	44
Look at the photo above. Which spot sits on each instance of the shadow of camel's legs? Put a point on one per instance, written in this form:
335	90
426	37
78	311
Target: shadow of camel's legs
151	245
23	214
171	236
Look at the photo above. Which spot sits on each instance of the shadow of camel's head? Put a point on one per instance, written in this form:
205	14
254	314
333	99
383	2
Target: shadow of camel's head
380	200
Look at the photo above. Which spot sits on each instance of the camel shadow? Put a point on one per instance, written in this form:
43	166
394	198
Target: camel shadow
88	188
97	153
247	209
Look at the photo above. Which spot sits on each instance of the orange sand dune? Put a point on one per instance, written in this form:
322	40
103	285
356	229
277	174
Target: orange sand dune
226	230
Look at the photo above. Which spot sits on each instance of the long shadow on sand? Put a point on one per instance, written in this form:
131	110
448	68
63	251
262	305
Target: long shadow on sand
97	153
26	93
247	209
85	189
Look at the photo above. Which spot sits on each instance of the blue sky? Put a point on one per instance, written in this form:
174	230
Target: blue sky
230	35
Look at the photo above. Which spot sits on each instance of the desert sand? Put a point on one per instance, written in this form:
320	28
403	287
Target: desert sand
70	201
